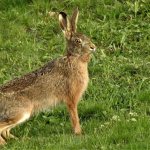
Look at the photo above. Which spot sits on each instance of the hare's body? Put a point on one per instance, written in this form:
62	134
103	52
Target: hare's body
61	80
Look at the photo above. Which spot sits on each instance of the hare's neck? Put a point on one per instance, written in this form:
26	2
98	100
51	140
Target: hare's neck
84	57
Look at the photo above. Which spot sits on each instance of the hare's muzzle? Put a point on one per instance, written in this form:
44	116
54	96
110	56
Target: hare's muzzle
92	48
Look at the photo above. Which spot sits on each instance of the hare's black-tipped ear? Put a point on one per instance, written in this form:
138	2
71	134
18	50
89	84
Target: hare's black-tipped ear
74	19
64	22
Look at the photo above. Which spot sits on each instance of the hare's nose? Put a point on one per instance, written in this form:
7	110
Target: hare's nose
92	47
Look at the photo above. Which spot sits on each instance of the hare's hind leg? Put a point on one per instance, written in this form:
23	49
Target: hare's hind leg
7	135
11	123
2	141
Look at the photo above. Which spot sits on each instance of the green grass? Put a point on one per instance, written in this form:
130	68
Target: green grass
115	110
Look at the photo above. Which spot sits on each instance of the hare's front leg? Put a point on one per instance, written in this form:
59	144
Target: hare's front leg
72	107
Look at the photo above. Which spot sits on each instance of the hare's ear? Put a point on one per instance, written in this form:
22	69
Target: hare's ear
74	19
64	22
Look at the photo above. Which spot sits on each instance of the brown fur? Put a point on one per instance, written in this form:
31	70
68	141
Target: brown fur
61	80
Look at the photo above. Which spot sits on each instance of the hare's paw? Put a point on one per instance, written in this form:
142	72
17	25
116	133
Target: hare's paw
2	141
11	136
7	135
78	131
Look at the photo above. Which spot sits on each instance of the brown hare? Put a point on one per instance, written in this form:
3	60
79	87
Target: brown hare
62	80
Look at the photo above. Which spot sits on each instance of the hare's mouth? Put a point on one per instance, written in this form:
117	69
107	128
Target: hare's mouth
93	49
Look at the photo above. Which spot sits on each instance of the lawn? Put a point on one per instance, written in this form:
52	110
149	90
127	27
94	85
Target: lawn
115	110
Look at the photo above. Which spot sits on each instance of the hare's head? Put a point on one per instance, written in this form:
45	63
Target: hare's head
77	43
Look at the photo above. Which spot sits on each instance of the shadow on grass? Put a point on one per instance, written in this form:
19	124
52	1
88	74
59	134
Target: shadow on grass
57	122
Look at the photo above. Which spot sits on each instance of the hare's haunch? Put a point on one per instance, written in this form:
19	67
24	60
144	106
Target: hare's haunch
62	80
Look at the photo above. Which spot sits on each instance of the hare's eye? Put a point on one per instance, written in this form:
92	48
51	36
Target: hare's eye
78	41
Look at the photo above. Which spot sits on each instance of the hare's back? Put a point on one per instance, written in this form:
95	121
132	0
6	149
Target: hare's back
27	80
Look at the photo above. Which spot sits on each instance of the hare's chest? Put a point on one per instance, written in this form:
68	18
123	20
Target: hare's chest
82	79
79	78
